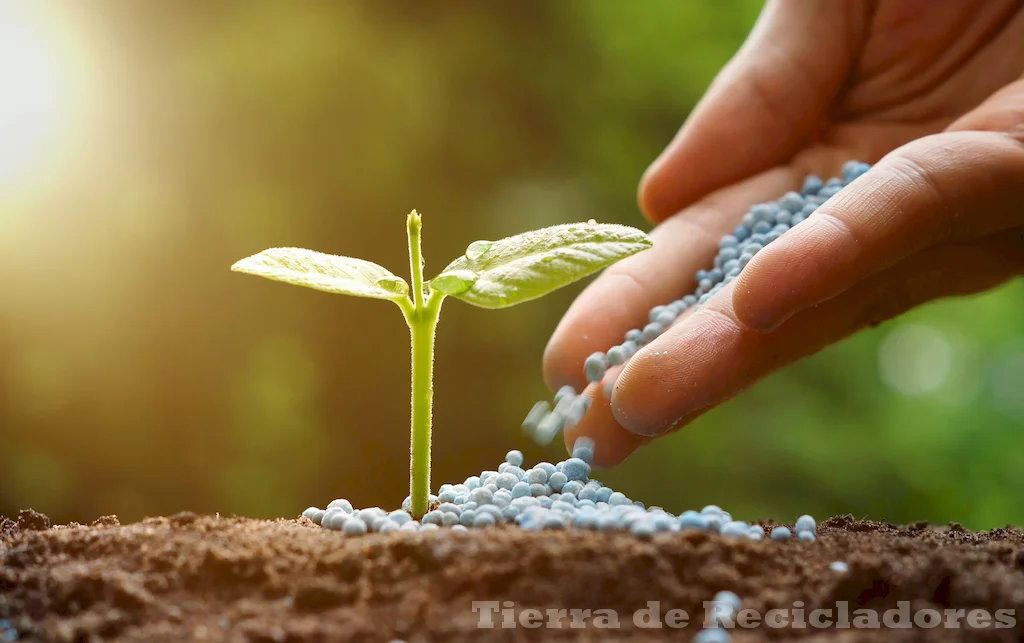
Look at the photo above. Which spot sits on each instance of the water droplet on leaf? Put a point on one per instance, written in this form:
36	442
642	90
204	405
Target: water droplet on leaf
395	285
477	249
454	282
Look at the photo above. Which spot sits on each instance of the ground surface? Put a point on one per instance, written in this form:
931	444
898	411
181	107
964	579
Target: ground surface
188	577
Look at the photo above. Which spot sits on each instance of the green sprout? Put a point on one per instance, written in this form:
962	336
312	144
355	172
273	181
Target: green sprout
491	274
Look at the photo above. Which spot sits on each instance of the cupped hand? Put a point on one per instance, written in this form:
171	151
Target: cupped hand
932	88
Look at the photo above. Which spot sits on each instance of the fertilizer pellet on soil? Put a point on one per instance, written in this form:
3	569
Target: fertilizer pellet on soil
712	635
839	567
781	534
805	523
545	496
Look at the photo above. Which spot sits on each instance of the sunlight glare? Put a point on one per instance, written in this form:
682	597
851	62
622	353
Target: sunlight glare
30	92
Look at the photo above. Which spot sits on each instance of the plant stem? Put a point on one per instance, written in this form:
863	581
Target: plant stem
422	319
416	258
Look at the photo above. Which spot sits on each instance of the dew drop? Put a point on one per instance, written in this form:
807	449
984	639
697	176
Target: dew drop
393	284
591	222
477	249
454	282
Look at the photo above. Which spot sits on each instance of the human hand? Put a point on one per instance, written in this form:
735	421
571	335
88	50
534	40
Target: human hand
931	88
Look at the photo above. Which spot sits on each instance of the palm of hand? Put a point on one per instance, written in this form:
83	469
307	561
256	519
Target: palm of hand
826	82
918	67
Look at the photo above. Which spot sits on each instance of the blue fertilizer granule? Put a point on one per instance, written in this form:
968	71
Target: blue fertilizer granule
546	496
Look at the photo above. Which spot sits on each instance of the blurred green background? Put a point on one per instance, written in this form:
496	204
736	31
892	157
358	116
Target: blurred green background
150	145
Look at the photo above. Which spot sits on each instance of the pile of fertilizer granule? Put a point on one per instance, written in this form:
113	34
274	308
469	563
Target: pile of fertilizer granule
546	496
558	496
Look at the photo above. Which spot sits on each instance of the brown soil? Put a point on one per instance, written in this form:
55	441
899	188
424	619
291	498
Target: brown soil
188	577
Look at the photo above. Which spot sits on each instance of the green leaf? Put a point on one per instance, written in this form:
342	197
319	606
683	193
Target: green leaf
329	273
532	264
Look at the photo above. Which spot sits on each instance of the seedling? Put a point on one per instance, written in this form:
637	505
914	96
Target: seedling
491	274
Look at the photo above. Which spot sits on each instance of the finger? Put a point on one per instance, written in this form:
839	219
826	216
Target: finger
767	103
612	443
948	187
712	356
622	296
1001	112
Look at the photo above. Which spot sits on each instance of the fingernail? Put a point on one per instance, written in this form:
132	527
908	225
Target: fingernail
757	318
668	379
640	424
769	325
645	178
765	323
644	190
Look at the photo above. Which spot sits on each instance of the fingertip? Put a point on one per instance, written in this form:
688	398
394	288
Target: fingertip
750	305
687	369
557	365
758	318
651	193
612	443
631	404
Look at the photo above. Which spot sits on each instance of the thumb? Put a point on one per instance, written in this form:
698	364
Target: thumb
763	106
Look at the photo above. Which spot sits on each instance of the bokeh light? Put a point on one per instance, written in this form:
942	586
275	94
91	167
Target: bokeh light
915	359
